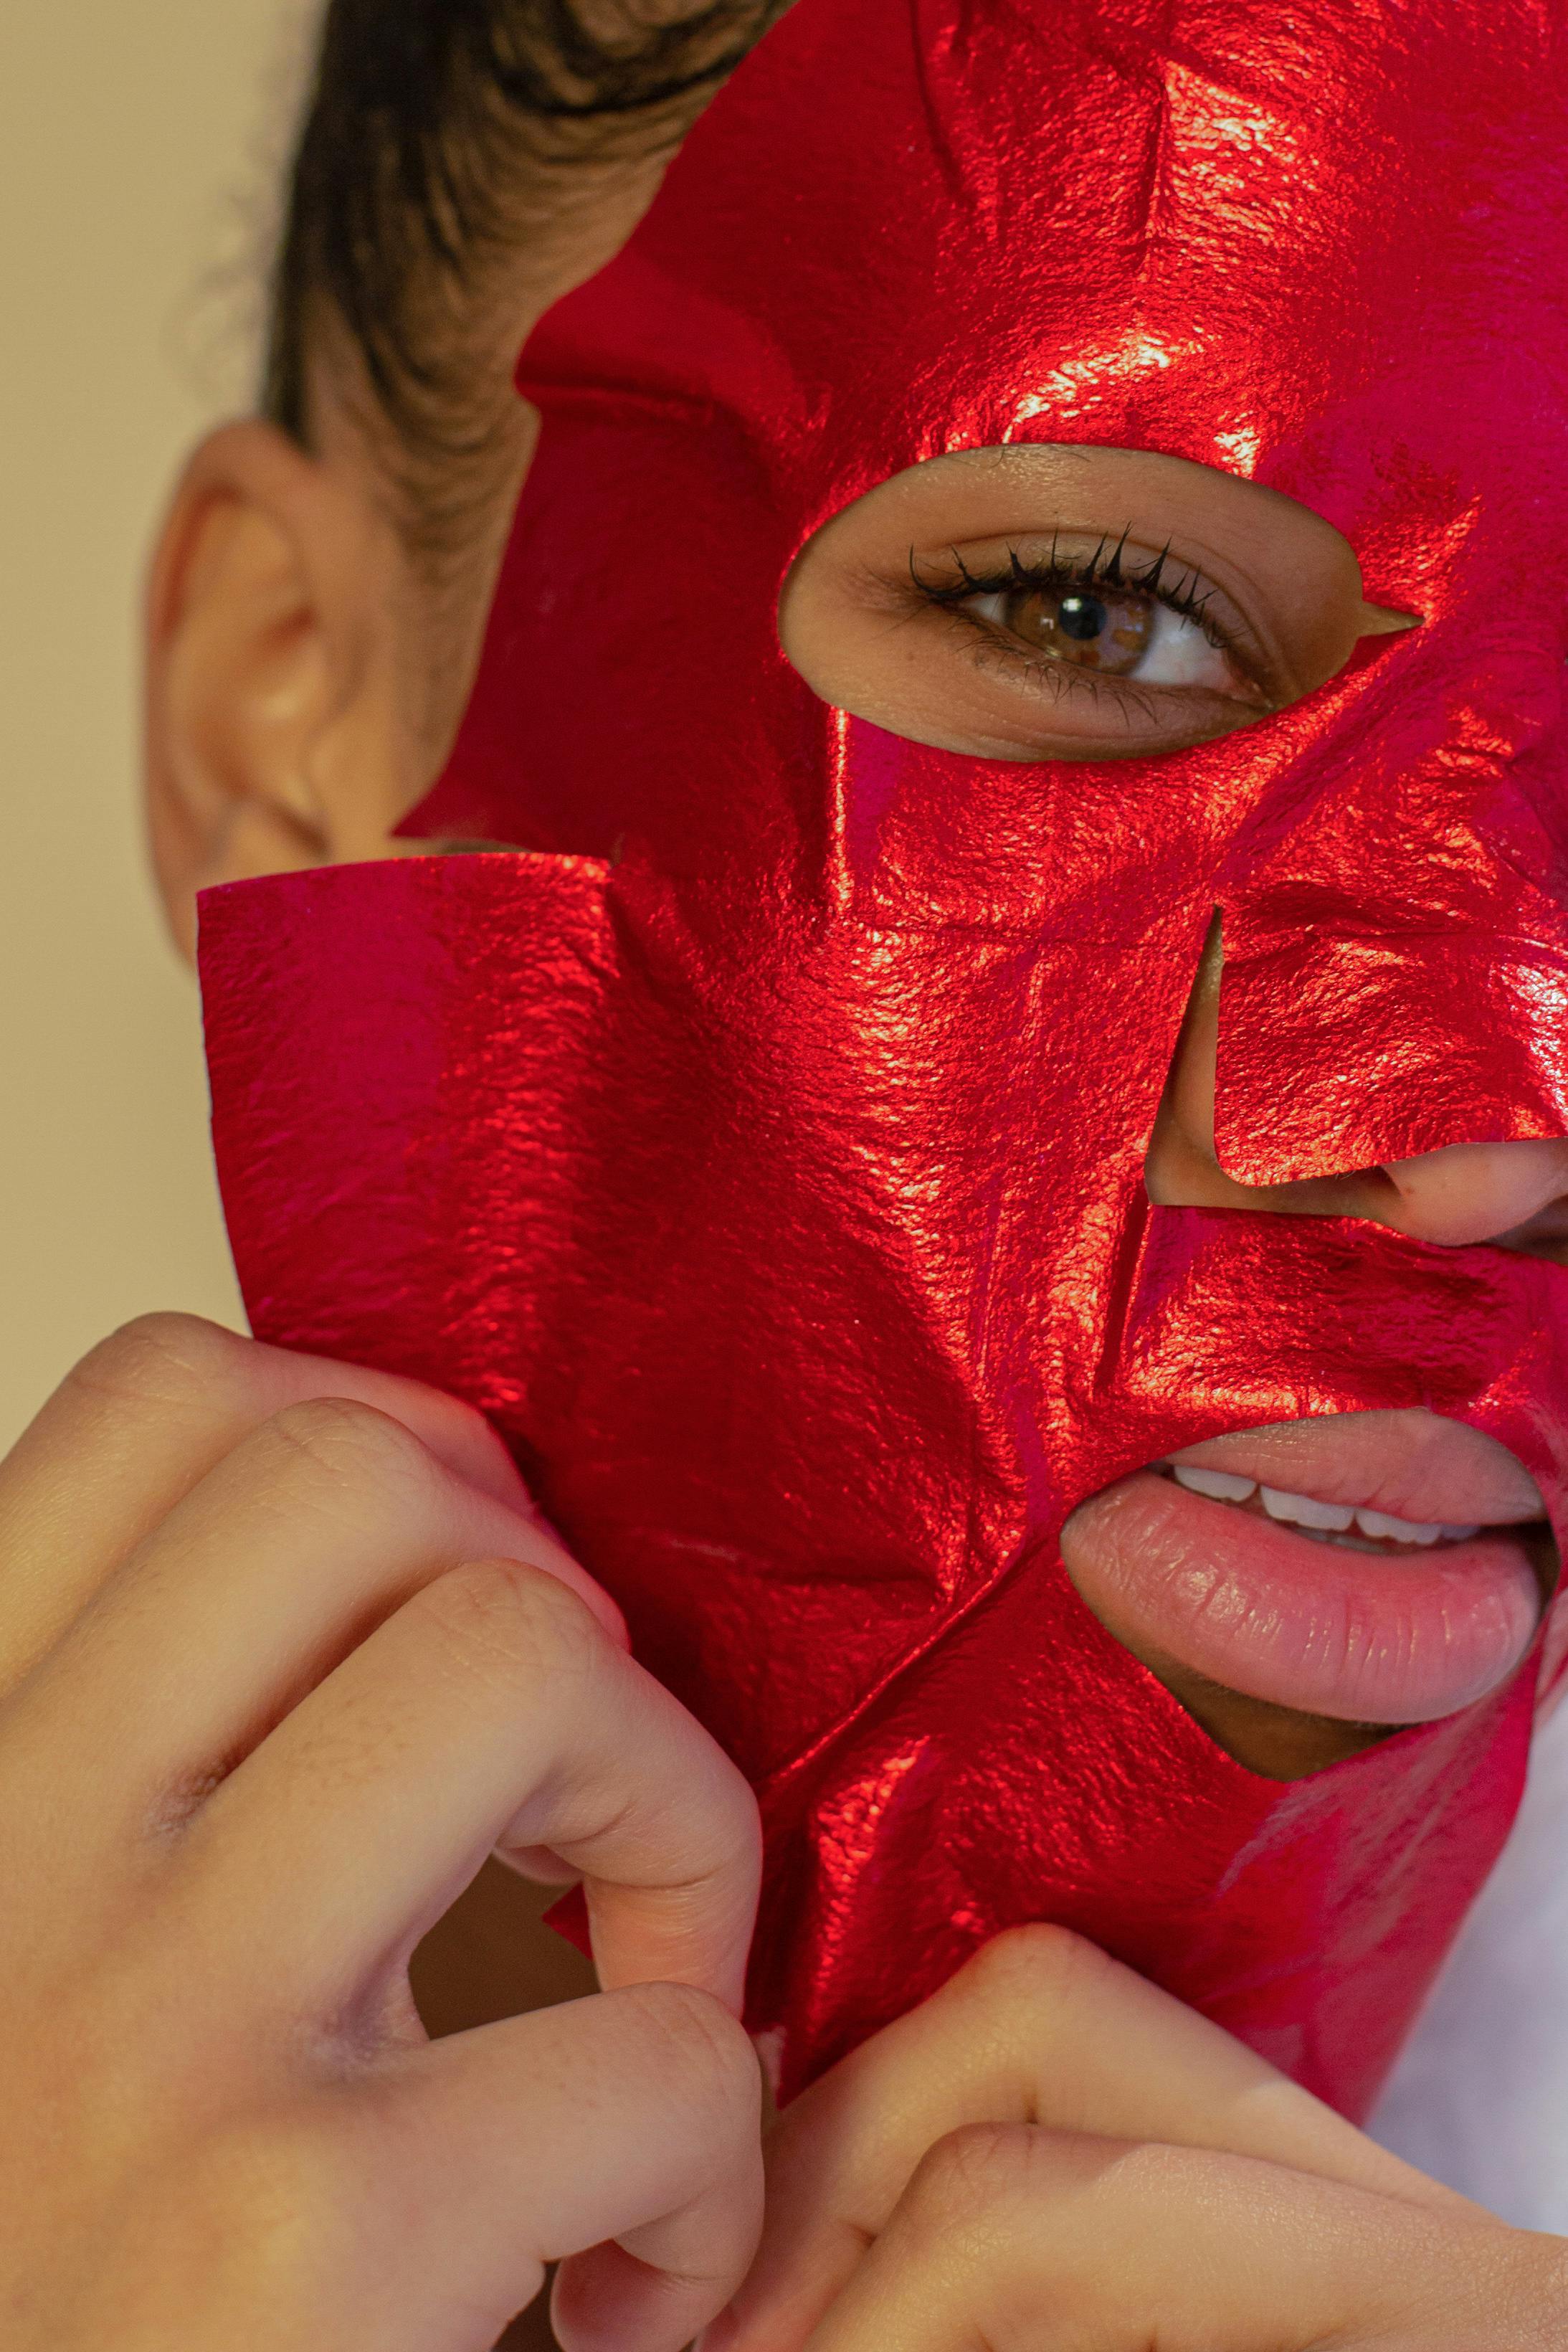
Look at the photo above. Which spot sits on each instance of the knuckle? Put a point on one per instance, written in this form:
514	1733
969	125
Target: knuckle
1032	1966
515	1624
976	2174
166	1360
351	1443
706	2046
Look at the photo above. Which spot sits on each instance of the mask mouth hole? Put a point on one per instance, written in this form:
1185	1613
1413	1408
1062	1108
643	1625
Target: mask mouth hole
1264	1581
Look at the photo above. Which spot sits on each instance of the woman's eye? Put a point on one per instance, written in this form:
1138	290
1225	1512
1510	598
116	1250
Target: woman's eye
1116	631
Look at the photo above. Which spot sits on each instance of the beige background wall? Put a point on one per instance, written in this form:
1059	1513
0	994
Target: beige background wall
137	145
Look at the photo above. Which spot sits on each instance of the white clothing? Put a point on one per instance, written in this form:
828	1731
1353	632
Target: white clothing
1480	2099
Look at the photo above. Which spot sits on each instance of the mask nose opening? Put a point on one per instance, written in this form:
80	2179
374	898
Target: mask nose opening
1289	1095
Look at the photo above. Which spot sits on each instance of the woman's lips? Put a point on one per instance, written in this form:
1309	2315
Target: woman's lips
1336	1621
1412	1464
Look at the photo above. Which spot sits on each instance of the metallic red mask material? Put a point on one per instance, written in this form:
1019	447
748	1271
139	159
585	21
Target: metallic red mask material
762	1146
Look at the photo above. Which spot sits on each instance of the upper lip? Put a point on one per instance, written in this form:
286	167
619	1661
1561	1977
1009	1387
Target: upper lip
1412	1464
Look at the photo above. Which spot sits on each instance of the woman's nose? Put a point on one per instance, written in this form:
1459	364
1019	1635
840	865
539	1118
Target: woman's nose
1465	1193
1475	1191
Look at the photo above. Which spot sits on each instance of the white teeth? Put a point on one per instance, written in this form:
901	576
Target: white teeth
1384	1523
1305	1510
1221	1486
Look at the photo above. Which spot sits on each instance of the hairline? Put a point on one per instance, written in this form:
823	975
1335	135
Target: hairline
432	137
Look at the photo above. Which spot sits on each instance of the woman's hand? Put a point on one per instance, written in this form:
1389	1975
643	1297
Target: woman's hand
284	1655
1051	2156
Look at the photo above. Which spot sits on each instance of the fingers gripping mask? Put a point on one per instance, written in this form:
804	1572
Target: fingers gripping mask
969	547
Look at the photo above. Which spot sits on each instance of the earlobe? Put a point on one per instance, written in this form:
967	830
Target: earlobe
273	736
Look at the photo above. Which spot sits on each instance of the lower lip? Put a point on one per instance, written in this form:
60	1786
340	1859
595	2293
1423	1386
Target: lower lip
1248	1603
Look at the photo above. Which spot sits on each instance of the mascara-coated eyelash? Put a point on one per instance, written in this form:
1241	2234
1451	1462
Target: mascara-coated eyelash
1060	574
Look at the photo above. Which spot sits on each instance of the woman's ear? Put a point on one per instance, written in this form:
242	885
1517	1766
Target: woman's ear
277	735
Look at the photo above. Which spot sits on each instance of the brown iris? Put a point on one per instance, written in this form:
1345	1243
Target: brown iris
1094	628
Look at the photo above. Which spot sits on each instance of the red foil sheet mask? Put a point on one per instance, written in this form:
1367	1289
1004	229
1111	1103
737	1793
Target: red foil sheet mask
761	1144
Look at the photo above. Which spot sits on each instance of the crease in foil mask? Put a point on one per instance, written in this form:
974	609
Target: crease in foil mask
760	1139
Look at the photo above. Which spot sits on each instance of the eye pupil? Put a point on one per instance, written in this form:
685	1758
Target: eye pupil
1073	625
1081	618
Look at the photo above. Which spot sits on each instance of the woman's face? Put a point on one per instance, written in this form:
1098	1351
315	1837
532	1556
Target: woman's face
1303	1588
1021	1058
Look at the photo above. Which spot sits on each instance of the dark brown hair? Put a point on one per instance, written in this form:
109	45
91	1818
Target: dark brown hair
428	129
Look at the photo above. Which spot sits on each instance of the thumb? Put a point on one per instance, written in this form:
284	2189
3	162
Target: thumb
628	2124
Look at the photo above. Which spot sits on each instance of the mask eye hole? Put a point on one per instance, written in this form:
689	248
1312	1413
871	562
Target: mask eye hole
984	601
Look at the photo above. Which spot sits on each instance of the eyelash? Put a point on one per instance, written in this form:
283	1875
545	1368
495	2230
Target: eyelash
1104	569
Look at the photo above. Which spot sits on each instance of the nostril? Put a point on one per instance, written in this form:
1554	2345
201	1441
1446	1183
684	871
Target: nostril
1469	1192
